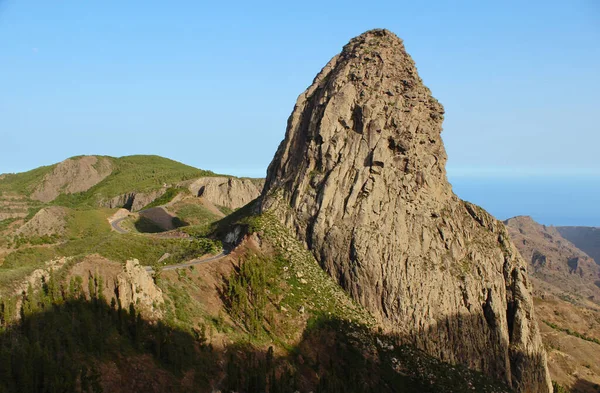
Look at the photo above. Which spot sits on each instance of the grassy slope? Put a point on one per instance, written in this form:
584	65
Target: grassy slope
281	325
134	174
23	183
194	214
89	232
279	297
139	173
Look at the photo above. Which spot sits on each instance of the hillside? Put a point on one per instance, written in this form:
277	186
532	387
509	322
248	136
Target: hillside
567	302
132	182
91	188
567	270
263	318
585	238
96	180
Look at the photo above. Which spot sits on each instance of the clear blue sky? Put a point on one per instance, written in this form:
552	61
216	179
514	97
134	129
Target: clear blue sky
211	84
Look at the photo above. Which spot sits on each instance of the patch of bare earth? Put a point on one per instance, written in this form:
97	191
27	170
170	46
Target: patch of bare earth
71	176
48	221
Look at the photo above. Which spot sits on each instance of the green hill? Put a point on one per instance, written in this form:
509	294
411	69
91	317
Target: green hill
129	174
141	173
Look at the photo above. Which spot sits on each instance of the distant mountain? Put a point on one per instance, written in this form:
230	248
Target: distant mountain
585	238
566	284
555	260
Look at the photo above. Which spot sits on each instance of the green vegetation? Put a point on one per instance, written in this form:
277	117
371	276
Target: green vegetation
572	333
197	231
225	210
20	240
167	197
248	290
194	214
32	211
4	224
24	183
79	224
557	388
308	284
63	335
88	223
133	174
113	246
332	349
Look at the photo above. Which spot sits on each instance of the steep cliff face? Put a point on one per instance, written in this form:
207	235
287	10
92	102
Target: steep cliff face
133	201
225	191
360	177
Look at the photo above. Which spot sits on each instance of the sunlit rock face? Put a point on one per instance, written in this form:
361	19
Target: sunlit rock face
360	177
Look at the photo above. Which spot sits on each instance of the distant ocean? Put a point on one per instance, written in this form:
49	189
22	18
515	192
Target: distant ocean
561	200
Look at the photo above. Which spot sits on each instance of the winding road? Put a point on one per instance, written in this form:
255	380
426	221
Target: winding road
192	262
196	261
117	227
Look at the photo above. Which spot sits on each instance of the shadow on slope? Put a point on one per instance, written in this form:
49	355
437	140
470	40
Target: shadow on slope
66	343
157	219
584	386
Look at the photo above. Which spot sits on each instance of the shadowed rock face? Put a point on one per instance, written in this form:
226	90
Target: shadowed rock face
360	177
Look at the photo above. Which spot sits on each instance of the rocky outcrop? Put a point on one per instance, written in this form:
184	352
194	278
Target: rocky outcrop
71	176
360	177
126	284
48	221
124	201
553	259
35	281
133	201
134	285
230	192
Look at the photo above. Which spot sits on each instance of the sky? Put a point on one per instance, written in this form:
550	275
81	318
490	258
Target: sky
211	84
